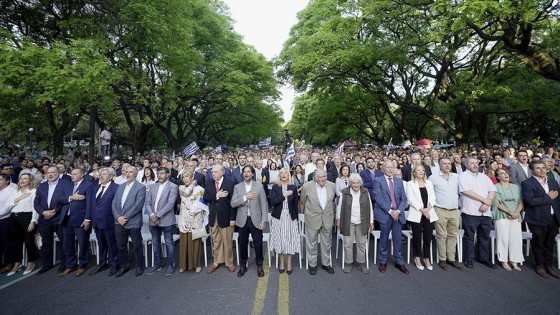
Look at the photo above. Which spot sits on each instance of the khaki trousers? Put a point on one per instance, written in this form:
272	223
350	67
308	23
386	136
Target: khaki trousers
222	237
361	243
446	232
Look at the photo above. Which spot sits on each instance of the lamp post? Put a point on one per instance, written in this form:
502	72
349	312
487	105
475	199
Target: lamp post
72	134
30	139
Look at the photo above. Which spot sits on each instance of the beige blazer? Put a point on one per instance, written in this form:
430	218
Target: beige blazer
315	216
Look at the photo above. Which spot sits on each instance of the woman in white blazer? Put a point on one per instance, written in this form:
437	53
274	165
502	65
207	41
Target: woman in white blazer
421	198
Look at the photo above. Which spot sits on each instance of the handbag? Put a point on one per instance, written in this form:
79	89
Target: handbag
199	233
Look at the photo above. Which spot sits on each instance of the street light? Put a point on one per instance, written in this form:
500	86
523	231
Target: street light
72	134
30	139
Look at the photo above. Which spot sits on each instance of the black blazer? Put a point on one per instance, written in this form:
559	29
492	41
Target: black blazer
330	177
220	207
538	203
407	172
277	199
454	167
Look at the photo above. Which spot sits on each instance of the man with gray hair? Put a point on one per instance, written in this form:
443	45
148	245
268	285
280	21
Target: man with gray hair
99	211
317	198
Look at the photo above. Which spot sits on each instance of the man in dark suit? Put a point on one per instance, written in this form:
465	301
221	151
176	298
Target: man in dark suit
127	210
237	172
191	165
100	212
368	176
321	166
415	159
48	205
542	214
249	199
218	160
262	175
457	166
333	167
62	172
160	202
390	201
218	194
73	223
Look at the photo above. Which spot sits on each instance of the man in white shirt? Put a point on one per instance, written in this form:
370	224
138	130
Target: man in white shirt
477	194
105	138
311	166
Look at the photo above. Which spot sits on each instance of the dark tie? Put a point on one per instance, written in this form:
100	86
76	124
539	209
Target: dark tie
100	194
392	193
217	186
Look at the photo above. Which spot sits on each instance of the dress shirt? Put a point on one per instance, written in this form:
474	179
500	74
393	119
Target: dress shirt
52	187
125	192
447	190
158	195
525	168
322	195
247	189
459	168
6	193
478	183
24	205
120	180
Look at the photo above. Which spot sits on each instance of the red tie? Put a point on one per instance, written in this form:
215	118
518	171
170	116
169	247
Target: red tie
217	186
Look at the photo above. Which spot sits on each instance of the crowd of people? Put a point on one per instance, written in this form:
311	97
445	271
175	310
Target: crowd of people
352	193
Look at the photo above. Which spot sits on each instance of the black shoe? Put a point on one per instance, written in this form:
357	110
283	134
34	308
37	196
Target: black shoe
488	264
312	271
329	269
469	264
98	269
61	267
242	271
113	272
121	272
139	271
44	269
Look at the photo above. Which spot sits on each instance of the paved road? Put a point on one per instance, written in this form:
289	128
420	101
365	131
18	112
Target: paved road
477	291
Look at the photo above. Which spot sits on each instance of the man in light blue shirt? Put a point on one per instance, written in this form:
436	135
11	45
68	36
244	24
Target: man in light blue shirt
446	187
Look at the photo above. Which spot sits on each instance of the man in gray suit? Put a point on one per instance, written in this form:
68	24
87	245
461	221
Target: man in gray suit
160	201
317	198
252	210
520	171
127	210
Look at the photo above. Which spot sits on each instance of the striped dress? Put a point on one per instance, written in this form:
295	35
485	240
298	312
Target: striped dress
284	235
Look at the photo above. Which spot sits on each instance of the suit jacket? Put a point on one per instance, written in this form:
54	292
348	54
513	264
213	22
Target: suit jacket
41	200
236	175
315	215
277	200
382	197
65	177
77	208
330	177
537	202
133	205
265	174
415	201
407	172
368	181
166	203
196	176
454	167
517	174
258	207
220	208
227	174
101	212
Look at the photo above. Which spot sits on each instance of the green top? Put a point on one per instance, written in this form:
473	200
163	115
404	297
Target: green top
509	197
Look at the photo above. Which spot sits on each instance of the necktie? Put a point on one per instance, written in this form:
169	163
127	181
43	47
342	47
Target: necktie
392	193
100	194
75	187
217	186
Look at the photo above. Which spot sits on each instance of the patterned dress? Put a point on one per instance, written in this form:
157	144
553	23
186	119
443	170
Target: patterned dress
284	235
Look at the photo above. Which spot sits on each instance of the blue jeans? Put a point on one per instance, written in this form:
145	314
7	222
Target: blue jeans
156	244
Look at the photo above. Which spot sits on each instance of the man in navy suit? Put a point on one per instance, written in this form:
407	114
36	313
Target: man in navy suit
99	211
127	210
73	223
191	165
237	172
542	214
217	194
218	161
48	205
390	201
368	176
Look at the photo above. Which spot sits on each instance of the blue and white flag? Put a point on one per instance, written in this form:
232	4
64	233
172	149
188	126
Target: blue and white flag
389	146
291	152
340	148
265	142
190	149
217	150
407	144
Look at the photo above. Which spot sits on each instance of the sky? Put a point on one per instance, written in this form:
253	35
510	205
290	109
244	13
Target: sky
265	25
